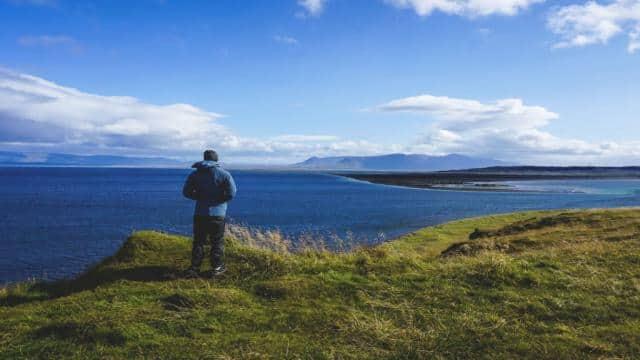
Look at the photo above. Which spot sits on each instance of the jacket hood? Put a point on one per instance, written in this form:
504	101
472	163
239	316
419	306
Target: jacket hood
206	164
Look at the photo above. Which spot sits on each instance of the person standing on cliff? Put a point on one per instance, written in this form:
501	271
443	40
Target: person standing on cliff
211	187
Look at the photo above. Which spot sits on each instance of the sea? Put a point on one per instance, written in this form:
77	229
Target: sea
56	222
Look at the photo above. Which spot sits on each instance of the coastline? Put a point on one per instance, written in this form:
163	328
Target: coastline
470	180
279	304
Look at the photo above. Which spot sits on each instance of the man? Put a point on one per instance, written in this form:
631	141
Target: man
211	187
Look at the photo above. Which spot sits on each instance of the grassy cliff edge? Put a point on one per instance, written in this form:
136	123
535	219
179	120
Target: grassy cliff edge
553	284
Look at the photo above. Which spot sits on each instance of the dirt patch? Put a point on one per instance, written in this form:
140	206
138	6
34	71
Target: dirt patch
469	248
458	249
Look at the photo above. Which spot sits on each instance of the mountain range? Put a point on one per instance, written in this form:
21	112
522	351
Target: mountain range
397	162
391	162
9	158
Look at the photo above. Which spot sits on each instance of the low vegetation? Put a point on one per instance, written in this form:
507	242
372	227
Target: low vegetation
563	284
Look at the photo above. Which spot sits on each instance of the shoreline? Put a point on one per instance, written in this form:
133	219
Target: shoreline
468	181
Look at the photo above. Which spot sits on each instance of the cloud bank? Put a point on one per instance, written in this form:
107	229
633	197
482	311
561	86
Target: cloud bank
58	114
506	129
42	116
36	114
593	23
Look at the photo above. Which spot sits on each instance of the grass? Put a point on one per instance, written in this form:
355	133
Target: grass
545	285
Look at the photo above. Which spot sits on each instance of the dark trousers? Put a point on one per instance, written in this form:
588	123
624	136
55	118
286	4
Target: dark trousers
208	228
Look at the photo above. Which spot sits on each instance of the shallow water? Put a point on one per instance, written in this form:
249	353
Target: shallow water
54	222
600	187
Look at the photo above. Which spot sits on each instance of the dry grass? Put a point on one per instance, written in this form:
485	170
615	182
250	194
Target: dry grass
274	239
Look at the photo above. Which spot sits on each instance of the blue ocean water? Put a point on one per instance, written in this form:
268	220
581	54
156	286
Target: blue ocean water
54	222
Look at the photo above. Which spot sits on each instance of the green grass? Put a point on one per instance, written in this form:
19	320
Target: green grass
543	285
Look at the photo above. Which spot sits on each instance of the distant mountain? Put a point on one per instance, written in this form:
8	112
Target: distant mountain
8	158
397	162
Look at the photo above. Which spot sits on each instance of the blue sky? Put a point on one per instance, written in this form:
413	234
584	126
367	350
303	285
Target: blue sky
531	81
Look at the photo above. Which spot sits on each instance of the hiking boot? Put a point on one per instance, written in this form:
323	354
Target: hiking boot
217	271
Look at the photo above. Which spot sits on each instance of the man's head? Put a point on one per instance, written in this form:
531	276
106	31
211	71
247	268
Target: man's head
210	155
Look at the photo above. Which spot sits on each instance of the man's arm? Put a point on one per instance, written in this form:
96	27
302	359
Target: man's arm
189	190
231	189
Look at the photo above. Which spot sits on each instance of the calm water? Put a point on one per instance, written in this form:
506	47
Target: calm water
54	222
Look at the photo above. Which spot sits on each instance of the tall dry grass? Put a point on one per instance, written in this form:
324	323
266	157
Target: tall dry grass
274	239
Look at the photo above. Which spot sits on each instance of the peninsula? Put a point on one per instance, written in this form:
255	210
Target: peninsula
490	178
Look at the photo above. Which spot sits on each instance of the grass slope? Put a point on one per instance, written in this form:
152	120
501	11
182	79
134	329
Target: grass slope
534	285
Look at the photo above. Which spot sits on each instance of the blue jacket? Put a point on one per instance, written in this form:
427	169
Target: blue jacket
211	187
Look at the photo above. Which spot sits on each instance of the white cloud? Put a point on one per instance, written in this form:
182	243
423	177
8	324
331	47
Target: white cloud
298	147
69	116
283	39
592	23
462	113
469	8
505	129
313	7
36	114
634	40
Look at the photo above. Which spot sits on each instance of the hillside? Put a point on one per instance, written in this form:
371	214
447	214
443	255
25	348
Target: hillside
544	285
397	162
